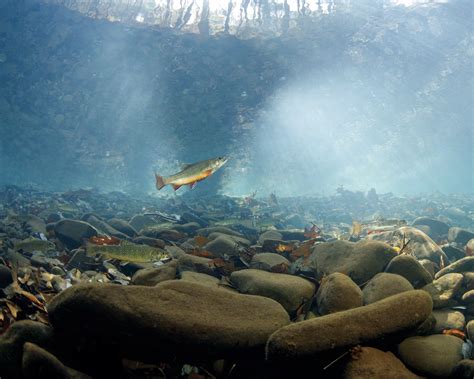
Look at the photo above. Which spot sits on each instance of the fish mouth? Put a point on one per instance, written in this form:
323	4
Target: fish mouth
222	161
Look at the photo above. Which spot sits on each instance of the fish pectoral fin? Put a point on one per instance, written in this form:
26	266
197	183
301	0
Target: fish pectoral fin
176	186
208	173
193	184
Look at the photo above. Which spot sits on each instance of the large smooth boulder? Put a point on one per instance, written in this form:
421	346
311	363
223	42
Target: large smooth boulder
174	317
394	315
72	233
338	293
384	285
433	356
360	261
290	291
373	363
412	270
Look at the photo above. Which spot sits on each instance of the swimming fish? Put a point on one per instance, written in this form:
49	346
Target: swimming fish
31	244
129	252
191	174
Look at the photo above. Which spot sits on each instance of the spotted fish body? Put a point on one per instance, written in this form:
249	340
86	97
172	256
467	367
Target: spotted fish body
191	174
129	252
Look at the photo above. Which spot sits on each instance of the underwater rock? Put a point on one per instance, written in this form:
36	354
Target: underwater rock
152	276
164	233
448	319
391	316
373	363
468	297
204	279
295	221
410	269
438	229
139	222
338	293
72	232
239	240
360	260
470	330
5	276
188	217
420	245
459	235
175	251
188	262
175	317
104	228
429	266
222	246
205	232
453	252
38	363
122	226
11	345
463	370
188	228
468	282
269	234
449	286
434	356
460	266
290	291
153	242
384	285
269	262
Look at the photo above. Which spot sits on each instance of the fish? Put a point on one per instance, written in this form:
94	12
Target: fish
191	174
31	244
129	252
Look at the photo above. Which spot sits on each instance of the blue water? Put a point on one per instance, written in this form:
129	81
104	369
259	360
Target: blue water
368	94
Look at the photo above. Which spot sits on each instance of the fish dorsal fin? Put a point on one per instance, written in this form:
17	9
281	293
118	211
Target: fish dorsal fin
184	166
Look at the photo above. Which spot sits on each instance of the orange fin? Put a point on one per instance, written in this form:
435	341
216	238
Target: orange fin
192	185
160	182
176	186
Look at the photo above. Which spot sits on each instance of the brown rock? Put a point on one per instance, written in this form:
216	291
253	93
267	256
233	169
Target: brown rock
393	315
152	276
174	317
290	291
372	363
337	293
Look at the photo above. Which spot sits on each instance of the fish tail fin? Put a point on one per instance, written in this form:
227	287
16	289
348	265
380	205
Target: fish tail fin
160	182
